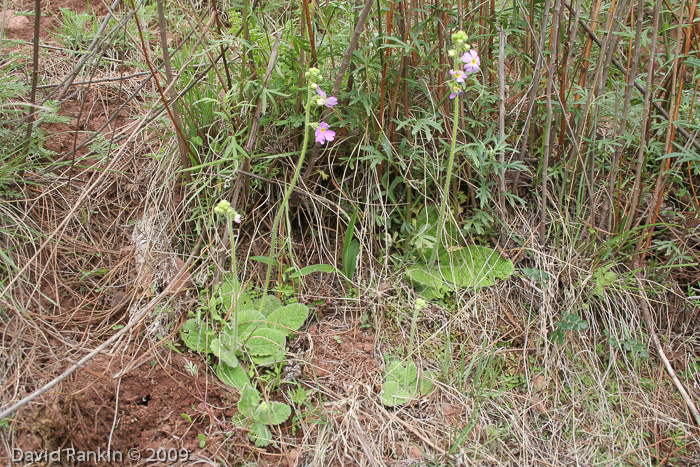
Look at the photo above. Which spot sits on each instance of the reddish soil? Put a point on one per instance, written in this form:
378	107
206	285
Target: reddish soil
162	409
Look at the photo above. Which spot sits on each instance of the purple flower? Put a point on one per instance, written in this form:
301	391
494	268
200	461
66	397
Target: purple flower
329	102
324	133
458	75
472	61
456	90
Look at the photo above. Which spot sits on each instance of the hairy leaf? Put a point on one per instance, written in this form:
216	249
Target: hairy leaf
273	413
236	377
290	318
197	336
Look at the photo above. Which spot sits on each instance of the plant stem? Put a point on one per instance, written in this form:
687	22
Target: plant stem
448	179
234	274
287	194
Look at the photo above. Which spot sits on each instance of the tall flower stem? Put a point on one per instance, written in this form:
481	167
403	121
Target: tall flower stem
285	200
234	274
448	180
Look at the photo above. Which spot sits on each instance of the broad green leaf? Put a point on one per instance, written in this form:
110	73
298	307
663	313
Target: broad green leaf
427	283
426	382
474	266
260	434
403	372
270	304
227	337
223	293
249	401
197	336
265	342
394	394
248	321
267	360
225	355
273	413
288	319
236	377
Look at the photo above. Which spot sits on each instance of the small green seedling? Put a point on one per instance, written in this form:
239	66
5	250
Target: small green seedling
402	383
568	322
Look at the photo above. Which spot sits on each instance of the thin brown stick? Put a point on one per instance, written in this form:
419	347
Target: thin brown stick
181	144
502	117
253	133
35	76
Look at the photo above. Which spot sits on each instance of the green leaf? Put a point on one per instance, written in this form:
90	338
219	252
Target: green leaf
327	268
248	321
403	372
273	413
227	337
290	318
225	355
265	342
474	266
249	401
222	296
427	282
271	303
394	394
426	382
197	336
260	434
236	377
268	360
265	260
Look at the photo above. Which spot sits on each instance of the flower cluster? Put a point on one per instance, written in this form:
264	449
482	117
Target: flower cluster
470	58
224	209
323	132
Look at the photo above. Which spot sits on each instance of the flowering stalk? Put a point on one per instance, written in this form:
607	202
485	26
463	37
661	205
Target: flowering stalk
459	38
314	76
224	209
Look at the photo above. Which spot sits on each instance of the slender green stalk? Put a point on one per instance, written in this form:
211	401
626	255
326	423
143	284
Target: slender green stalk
287	194
234	302
448	178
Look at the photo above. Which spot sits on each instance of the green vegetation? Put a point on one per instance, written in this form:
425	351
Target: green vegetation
408	231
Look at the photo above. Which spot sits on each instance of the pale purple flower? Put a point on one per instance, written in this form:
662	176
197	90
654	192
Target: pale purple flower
458	75
329	102
456	90
472	61
324	133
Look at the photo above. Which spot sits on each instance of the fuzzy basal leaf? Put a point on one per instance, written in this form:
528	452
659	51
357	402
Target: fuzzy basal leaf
248	321
260	434
427	282
265	342
269	304
225	355
474	266
197	336
290	318
249	401
273	413
236	377
394	394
